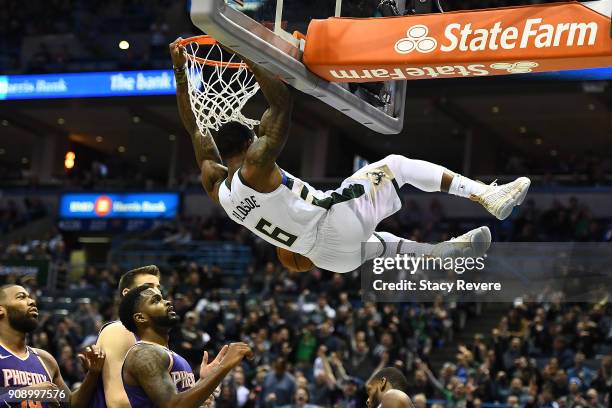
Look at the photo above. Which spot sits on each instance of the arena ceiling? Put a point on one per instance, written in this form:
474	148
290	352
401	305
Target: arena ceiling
535	119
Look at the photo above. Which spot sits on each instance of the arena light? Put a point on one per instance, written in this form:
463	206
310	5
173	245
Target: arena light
124	45
99	139
69	160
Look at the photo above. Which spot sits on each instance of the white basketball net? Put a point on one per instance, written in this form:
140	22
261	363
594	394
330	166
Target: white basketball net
217	92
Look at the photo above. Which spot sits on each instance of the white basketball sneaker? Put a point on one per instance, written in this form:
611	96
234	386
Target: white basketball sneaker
500	200
472	244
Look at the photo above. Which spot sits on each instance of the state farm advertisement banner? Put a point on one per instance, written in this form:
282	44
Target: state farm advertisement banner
512	40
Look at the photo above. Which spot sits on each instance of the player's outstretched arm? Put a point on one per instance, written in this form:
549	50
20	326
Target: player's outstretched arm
207	155
94	358
260	168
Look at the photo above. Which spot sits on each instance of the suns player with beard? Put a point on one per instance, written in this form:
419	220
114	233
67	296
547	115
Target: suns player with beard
239	172
153	375
116	340
29	368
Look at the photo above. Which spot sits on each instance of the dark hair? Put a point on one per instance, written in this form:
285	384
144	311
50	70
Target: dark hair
231	139
394	377
128	278
128	306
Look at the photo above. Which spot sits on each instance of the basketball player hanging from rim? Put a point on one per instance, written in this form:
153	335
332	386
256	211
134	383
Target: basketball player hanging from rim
239	172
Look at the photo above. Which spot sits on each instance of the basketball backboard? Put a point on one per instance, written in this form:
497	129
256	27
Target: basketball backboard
263	31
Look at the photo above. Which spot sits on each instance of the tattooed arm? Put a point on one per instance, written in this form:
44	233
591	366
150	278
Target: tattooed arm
207	156
259	168
147	367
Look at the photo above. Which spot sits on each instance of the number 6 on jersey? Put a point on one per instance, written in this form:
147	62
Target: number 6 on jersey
277	234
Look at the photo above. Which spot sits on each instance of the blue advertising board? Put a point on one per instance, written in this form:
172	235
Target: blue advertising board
594	74
161	82
113	205
87	85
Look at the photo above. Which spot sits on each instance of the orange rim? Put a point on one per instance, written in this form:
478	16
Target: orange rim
208	40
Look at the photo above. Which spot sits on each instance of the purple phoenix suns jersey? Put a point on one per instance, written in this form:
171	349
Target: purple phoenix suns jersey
179	370
16	372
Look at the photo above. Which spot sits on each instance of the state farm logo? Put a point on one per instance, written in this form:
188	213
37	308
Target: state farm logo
103	206
521	67
416	39
534	33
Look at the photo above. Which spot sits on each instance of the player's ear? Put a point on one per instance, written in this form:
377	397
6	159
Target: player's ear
124	292
2	312
139	318
383	383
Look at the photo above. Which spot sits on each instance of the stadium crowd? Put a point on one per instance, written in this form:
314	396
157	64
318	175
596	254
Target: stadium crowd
13	215
316	342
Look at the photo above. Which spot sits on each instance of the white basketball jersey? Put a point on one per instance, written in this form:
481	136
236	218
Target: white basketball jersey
286	217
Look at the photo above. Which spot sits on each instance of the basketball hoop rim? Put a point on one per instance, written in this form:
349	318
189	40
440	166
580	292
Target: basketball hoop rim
208	40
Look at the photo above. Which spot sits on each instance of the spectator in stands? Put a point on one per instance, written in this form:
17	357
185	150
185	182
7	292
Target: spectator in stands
279	385
562	353
592	399
517	389
579	370
419	400
242	392
351	397
322	390
300	400
228	397
574	395
69	365
512	402
362	363
190	341
512	354
603	380
87	317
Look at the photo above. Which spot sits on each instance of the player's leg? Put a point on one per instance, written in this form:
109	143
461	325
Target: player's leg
430	177
385	244
473	243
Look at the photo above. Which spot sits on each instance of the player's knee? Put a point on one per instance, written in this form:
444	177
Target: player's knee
395	159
